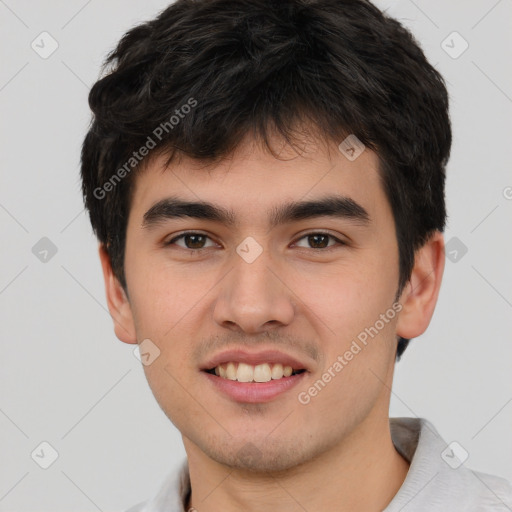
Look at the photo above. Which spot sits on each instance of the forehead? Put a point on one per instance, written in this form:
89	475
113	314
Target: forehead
252	182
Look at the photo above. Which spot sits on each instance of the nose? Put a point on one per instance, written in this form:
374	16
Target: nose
254	297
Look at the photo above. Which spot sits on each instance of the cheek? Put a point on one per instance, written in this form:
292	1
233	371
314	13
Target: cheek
168	308
163	297
343	301
358	343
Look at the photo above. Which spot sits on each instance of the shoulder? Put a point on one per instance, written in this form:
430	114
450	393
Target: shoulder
438	479
482	492
472	491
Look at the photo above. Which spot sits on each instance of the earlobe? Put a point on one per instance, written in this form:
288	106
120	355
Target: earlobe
420	295
117	301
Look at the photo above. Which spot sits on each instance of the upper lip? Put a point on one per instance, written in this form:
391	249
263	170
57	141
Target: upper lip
254	358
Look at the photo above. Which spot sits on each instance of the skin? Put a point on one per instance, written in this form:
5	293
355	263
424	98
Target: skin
310	303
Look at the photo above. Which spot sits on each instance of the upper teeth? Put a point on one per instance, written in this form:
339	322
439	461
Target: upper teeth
248	373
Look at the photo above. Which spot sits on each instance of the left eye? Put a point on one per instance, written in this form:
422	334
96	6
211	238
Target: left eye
319	240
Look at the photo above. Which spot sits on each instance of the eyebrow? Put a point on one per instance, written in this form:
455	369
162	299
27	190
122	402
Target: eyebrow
331	206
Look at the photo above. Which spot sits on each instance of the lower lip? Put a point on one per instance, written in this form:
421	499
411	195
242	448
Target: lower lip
254	392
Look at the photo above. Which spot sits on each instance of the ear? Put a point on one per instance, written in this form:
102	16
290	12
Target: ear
117	301
419	296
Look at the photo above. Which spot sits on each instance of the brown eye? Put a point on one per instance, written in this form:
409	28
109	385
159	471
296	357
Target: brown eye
320	241
193	241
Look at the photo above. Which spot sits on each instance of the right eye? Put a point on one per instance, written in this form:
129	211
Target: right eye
191	240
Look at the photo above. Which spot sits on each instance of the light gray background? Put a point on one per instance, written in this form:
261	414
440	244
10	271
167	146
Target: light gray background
65	378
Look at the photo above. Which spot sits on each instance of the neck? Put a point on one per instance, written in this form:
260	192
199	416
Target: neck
364	472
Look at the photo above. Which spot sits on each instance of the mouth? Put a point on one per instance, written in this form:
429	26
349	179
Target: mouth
247	377
243	372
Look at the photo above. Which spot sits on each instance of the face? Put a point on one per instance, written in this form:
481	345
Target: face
296	262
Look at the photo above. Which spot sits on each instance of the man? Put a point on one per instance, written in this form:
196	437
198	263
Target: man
266	181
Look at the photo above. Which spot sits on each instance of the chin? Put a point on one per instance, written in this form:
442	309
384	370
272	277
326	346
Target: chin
259	456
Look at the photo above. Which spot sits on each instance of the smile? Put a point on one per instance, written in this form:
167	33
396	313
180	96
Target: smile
243	372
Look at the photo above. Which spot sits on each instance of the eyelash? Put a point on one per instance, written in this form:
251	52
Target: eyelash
322	233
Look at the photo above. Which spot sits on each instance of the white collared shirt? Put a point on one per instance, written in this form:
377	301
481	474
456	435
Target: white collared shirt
435	482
